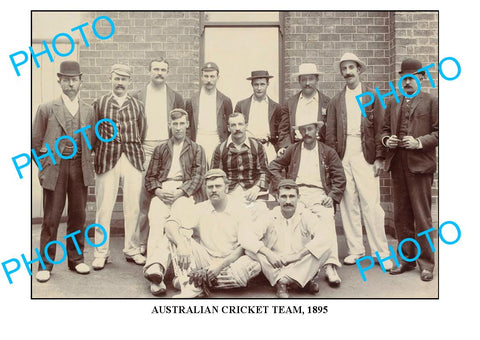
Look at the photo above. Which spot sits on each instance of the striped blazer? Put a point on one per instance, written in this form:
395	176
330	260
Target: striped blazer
192	161
131	128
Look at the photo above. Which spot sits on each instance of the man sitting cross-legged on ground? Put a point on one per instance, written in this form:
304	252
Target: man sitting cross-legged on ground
174	176
216	259
288	242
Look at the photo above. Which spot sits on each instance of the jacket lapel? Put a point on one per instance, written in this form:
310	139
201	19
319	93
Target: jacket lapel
58	112
396	116
170	100
416	101
271	107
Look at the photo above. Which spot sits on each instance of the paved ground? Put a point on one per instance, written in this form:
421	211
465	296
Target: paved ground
121	279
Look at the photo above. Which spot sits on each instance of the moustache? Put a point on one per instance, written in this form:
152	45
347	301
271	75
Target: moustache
348	76
288	205
120	87
159	77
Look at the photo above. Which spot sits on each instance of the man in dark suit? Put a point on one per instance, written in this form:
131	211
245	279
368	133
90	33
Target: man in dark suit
208	112
410	133
159	100
308	105
262	114
64	116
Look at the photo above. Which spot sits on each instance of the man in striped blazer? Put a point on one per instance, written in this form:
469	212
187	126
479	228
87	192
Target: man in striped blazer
174	178
121	157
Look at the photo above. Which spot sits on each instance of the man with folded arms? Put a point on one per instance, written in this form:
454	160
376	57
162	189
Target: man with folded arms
121	158
357	141
288	242
216	259
318	172
174	177
71	177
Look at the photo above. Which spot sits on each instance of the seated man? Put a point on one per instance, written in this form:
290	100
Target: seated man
244	161
318	172
288	242
174	176
217	257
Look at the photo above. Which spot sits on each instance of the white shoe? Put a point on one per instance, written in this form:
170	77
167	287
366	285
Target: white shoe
189	291
176	283
99	263
158	289
43	276
350	259
82	268
137	258
332	276
154	273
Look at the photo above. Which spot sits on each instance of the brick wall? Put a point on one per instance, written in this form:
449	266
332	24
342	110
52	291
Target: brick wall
381	39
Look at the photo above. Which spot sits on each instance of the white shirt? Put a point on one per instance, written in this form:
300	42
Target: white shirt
176	169
207	114
307	111
309	169
156	113
71	105
258	124
120	100
354	114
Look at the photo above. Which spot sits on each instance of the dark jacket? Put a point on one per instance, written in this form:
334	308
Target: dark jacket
331	169
370	126
423	125
275	118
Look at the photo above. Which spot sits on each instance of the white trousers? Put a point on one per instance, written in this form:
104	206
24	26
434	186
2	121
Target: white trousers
362	198
106	190
157	246
311	198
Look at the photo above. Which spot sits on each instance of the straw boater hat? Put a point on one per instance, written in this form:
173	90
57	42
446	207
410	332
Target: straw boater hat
259	74
351	57
302	121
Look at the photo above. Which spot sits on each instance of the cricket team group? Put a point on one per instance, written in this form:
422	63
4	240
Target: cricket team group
220	194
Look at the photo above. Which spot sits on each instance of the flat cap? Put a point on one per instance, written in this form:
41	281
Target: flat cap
214	173
122	70
210	66
290	183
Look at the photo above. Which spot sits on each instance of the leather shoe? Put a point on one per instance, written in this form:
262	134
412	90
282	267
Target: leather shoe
282	292
81	268
402	269
426	275
350	259
154	273
137	258
158	289
43	276
99	263
332	276
312	286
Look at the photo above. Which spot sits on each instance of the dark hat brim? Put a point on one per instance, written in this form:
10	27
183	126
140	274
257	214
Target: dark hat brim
259	77
411	72
59	74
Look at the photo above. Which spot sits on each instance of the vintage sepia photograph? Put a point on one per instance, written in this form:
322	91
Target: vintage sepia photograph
234	155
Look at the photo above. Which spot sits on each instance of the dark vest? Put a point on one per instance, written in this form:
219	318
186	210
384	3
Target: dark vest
403	122
72	123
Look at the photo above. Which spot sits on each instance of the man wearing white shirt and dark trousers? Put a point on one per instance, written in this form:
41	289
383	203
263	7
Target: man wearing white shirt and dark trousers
159	100
357	141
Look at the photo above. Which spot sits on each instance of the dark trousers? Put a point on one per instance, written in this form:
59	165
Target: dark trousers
412	200
69	184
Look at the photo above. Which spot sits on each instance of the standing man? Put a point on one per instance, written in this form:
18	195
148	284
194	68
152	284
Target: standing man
308	105
318	172
159	100
121	158
410	133
262	114
64	116
215	258
357	141
288	242
208	112
243	160
173	178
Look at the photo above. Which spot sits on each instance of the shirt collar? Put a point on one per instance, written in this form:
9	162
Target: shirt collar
314	149
67	100
228	209
264	100
315	96
229	141
204	93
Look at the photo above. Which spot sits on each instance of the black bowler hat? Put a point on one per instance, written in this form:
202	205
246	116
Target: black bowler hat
259	74
411	66
69	68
